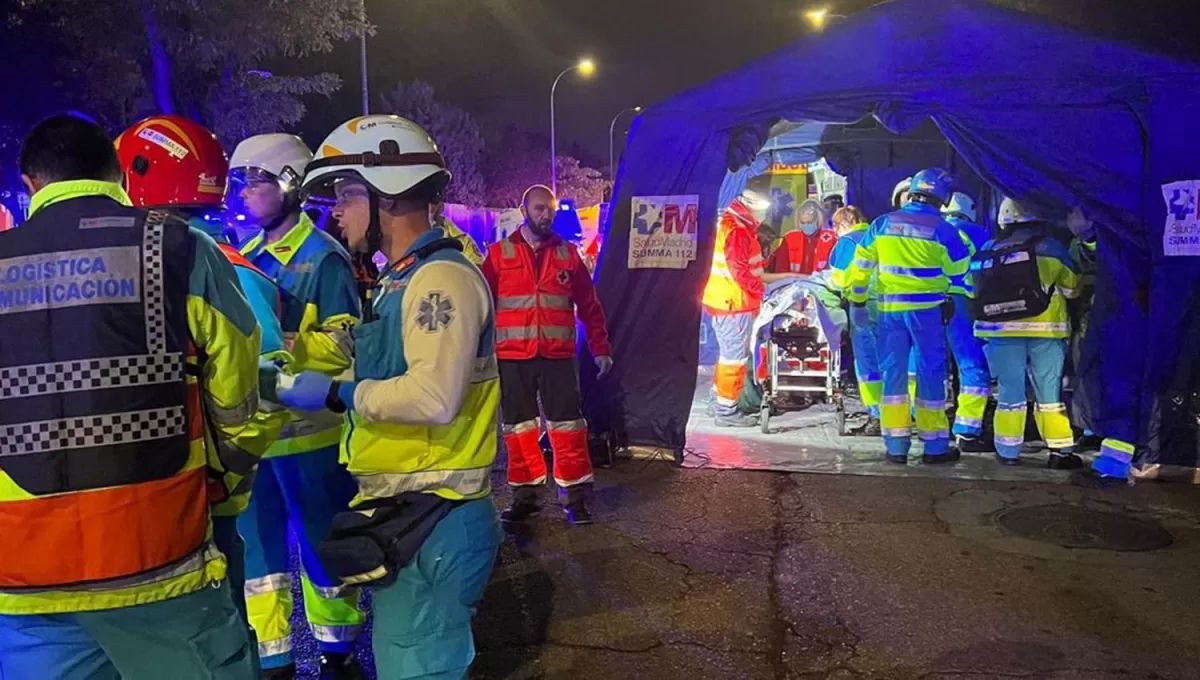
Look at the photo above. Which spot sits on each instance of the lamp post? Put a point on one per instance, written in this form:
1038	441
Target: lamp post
819	17
362	59
612	169
586	68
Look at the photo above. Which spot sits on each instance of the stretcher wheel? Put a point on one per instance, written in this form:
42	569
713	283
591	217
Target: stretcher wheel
764	418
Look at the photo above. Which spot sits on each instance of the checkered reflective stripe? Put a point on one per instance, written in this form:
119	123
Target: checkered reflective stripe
92	431
34	380
155	295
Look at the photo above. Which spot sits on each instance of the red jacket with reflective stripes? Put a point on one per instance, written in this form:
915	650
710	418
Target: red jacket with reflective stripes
803	254
537	295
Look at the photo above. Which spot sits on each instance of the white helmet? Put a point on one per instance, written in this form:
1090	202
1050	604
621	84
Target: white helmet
388	153
961	205
901	187
1013	212
283	156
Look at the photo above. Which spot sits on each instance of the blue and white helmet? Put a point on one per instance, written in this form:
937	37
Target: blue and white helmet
960	205
934	183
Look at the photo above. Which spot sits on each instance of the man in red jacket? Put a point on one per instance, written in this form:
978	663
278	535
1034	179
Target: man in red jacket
539	282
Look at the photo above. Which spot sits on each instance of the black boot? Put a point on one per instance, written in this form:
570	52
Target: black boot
736	420
525	505
285	673
1064	461
951	456
968	444
898	458
872	428
1007	461
338	666
576	506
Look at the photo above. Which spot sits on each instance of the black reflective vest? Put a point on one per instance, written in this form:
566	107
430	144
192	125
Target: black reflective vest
96	416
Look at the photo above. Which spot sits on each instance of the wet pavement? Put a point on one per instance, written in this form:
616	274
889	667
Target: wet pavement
738	574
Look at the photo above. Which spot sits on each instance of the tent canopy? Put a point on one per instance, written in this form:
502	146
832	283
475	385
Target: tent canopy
1035	110
871	157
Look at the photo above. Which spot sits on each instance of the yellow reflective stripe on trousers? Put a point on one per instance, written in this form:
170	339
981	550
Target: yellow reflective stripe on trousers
333	619
1009	424
269	611
267	584
895	415
1054	425
1118	450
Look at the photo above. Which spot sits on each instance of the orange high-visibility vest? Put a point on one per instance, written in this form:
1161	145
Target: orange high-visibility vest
722	292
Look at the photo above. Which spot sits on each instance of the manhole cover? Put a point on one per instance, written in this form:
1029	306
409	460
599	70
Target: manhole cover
1072	526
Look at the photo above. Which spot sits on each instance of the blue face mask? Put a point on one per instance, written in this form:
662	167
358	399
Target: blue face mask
809	229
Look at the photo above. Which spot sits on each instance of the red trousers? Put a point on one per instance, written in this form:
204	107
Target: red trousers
556	382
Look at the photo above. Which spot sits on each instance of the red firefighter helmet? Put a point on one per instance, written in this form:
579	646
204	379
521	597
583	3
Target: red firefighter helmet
172	161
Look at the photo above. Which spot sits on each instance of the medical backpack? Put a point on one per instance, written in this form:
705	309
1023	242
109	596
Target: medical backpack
1007	283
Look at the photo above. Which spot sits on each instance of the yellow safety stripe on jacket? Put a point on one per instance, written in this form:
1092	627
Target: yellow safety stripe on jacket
386	459
199	571
62	191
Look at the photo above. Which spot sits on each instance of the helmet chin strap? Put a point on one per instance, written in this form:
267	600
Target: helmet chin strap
374	230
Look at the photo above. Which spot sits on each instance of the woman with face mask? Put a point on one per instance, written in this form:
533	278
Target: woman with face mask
805	250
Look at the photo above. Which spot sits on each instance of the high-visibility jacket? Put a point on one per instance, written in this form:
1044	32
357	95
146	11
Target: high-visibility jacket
126	348
254	440
1058	276
843	256
402	437
320	307
975	237
537	295
803	254
735	281
470	247
910	255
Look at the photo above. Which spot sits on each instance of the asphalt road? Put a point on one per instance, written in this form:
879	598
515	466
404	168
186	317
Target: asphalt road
695	574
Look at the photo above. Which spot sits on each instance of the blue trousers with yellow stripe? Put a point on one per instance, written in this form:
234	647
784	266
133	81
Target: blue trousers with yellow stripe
920	333
974	379
297	494
866	356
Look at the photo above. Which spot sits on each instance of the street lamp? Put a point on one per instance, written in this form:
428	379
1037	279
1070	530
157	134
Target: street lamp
586	68
820	16
362	58
612	169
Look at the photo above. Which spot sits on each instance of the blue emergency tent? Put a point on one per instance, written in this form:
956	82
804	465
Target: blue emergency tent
1035	110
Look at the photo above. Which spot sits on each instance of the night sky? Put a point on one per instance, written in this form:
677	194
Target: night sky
497	58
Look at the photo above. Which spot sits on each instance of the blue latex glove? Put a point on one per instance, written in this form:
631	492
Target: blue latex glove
309	392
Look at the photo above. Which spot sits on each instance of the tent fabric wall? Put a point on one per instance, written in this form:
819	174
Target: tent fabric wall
1037	111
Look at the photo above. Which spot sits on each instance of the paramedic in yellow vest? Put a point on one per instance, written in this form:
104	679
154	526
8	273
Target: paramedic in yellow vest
732	298
425	395
910	257
122	323
300	485
1034	346
438	218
